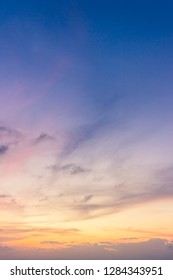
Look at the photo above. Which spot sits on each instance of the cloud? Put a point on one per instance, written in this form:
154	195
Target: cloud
70	168
4	196
8	230
169	244
42	138
8	135
149	233
8	138
87	198
8	131
73	169
6	251
51	243
9	203
6	239
57	244
165	174
82	134
130	238
3	149
112	202
10	233
153	249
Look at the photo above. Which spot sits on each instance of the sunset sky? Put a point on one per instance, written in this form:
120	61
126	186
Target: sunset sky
86	129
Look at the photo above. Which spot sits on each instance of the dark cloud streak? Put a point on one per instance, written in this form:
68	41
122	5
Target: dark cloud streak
42	138
112	204
3	149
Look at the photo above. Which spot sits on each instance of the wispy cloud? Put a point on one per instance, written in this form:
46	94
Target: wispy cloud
24	229
82	134
3	149
109	202
70	168
87	198
4	196
9	136
52	242
73	169
9	203
13	234
42	138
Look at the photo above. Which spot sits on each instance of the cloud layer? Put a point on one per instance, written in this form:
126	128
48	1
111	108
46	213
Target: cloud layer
155	249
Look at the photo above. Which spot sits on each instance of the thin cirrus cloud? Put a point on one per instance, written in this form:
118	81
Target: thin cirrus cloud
73	169
42	138
10	204
113	205
9	136
28	229
22	232
122	200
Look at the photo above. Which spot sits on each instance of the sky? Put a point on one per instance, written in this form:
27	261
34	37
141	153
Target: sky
86	110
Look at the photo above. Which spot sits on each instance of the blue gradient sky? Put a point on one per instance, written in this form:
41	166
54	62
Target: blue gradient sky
86	109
